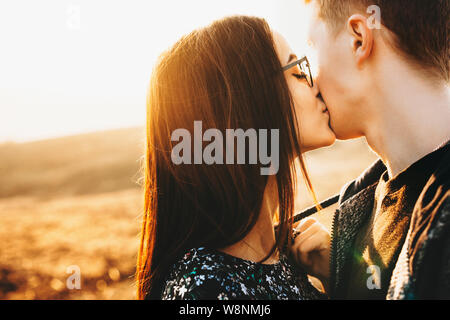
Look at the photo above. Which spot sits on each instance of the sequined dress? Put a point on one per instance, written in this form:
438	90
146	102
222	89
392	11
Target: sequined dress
208	274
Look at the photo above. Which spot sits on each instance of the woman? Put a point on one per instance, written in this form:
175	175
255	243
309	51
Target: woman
209	229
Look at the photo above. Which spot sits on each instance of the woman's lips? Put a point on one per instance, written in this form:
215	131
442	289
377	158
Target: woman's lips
324	107
325	111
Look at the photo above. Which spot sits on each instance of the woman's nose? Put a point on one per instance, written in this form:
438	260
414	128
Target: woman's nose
315	87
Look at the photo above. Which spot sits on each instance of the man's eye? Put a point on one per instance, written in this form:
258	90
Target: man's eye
300	76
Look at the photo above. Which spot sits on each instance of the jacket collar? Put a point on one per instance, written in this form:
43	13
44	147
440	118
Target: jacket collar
355	205
370	176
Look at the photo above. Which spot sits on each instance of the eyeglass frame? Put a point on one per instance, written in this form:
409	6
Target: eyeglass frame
299	63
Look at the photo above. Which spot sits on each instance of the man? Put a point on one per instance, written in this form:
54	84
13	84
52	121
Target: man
384	74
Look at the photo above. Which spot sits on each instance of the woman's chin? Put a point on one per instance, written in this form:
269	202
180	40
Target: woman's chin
331	137
330	141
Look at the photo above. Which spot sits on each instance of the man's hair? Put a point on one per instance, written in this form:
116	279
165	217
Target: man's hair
420	28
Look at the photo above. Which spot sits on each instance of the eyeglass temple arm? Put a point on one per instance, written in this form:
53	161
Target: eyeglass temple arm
290	65
311	210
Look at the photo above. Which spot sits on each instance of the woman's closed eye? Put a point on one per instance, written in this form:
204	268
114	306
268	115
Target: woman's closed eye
300	76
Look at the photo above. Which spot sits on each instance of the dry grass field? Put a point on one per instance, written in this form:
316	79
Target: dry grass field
76	201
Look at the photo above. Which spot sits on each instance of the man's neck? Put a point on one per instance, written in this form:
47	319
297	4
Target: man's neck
413	121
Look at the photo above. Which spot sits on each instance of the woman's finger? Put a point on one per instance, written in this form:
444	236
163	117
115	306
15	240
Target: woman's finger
307	233
305	224
314	242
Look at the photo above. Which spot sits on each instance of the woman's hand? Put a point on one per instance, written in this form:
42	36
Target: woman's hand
311	249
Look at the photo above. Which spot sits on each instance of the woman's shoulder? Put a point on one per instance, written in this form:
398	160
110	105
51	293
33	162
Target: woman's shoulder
200	274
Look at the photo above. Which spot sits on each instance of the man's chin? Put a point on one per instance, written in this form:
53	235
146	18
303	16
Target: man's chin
348	136
342	132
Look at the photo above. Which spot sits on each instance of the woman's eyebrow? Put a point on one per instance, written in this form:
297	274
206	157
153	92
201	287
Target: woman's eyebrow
292	57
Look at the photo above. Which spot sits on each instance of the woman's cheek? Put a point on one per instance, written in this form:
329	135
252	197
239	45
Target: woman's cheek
299	101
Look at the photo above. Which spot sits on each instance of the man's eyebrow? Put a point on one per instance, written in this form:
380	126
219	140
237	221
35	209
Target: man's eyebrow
292	57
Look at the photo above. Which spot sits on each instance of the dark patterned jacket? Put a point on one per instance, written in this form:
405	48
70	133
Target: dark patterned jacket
422	270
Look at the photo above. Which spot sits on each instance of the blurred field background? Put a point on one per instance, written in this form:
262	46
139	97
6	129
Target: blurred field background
77	201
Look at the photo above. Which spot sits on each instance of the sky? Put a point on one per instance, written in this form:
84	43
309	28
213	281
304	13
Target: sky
69	67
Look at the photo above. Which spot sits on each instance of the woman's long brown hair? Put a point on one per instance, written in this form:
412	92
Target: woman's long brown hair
228	76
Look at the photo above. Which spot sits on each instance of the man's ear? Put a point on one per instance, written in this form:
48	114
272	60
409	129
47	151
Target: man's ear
362	37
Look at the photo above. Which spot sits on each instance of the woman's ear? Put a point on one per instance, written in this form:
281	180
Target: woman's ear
361	38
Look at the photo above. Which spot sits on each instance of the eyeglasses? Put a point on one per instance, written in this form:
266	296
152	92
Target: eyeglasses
303	64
